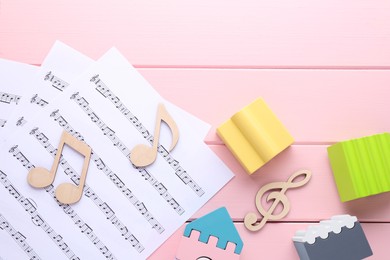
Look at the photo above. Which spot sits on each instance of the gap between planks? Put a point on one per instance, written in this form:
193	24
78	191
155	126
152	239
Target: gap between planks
214	142
232	67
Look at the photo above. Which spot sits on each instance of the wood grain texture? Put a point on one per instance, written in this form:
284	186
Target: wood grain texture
275	242
314	105
318	199
317	106
323	67
221	33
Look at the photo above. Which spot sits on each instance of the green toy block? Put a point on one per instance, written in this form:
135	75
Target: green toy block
361	167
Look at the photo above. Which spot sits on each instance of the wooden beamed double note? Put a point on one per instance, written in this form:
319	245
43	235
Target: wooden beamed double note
66	193
143	155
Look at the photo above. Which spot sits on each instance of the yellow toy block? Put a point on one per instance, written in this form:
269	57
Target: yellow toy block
254	135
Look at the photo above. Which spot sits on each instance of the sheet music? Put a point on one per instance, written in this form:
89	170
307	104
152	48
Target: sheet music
44	84
15	81
18	237
126	212
62	64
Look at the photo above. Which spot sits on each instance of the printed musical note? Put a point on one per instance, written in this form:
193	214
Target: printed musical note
9	98
56	81
5	97
21	121
19	238
39	101
277	197
66	193
143	155
2	122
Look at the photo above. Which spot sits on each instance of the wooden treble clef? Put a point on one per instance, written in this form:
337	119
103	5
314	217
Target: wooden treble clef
250	220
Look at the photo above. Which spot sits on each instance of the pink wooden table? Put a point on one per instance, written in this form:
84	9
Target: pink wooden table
322	66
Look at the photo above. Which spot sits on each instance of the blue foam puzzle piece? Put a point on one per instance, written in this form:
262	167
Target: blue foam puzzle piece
218	224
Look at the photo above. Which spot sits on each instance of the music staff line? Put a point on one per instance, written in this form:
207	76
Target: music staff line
68	210
139	205
65	125
110	134
102	88
56	82
39	101
36	218
88	192
9	98
19	238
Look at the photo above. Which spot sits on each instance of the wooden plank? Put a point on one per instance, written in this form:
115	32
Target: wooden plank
275	242
245	34
317	200
314	105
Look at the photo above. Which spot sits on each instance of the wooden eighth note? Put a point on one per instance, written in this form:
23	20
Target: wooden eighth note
143	155
66	193
250	220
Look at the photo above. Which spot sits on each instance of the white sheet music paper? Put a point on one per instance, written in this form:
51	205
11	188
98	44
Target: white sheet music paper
15	79
125	213
37	87
41	85
61	65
